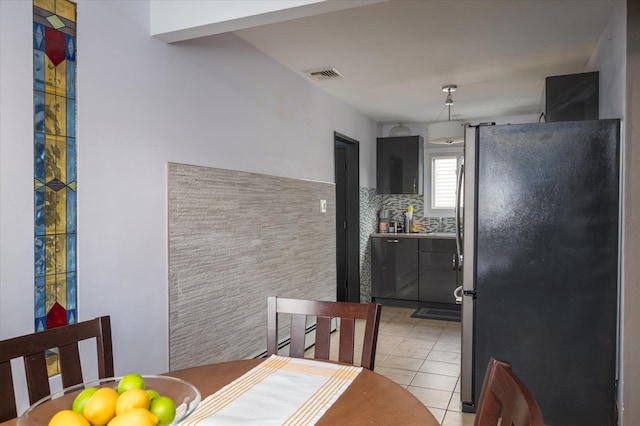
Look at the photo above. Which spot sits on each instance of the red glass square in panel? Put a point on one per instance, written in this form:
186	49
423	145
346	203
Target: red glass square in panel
57	316
54	45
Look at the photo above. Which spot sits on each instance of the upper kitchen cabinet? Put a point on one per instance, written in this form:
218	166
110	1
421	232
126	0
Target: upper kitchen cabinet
399	165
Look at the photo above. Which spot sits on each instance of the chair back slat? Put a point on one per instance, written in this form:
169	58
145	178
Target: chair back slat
32	349
8	404
69	359
272	326
505	399
324	311
371	329
35	368
298	326
104	346
347	340
323	337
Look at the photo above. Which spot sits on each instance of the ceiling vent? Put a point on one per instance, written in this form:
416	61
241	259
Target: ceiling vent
327	73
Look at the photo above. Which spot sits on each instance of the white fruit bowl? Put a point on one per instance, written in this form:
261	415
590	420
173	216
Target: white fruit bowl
184	394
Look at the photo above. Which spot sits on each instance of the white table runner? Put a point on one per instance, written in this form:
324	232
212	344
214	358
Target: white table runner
279	391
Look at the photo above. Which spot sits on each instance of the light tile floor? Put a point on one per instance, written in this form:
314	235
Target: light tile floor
423	356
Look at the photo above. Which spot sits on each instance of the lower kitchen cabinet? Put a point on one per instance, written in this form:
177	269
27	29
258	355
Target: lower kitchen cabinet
419	271
438	271
394	268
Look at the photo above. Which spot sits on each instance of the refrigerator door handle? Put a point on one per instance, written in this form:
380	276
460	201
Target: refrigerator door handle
468	285
457	212
457	293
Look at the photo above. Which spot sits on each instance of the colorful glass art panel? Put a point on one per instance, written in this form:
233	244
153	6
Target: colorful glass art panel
54	167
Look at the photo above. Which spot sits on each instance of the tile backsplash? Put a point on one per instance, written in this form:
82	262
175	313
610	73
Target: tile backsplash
370	205
397	203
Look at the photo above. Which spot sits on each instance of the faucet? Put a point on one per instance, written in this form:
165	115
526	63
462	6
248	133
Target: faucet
440	224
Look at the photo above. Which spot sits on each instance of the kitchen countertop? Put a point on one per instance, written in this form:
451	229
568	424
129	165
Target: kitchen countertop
436	235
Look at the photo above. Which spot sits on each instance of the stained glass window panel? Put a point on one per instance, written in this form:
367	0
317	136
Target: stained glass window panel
54	166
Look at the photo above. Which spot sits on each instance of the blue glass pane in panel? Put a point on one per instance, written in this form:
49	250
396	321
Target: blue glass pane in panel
71	211
71	316
40	269
41	324
71	79
39	201
70	42
38	69
71	291
71	118
71	252
71	159
38	111
38	36
40	301
39	166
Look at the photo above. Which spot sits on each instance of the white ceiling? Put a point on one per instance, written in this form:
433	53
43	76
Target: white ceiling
396	55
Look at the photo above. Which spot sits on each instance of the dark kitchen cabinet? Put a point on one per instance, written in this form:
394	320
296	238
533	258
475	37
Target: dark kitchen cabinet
438	271
399	165
394	268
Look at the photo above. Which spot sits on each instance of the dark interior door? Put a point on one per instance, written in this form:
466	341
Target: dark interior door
347	219
341	219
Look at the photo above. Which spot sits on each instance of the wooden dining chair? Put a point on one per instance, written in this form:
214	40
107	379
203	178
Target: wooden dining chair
324	311
32	349
504	396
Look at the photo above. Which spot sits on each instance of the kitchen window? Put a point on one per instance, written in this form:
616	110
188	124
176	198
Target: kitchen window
441	176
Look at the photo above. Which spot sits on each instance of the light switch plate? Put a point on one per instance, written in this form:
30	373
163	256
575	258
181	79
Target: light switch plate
323	206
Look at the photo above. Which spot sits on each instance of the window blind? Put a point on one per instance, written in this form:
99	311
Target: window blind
444	178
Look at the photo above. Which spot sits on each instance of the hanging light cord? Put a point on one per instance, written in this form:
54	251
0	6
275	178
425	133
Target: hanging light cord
449	106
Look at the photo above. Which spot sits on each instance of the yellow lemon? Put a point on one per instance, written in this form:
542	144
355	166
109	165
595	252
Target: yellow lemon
134	417
101	406
68	418
133	398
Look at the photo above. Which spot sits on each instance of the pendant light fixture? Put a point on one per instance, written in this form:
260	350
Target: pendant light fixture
400	130
446	132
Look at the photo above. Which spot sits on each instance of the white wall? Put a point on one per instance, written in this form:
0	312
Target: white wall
141	104
631	268
609	58
16	171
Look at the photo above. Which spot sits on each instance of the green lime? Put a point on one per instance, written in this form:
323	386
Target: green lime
164	408
130	381
81	399
152	394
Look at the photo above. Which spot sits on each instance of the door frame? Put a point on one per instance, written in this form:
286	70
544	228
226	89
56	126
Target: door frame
352	218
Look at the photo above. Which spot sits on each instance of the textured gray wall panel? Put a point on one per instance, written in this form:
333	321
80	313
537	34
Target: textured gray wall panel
234	239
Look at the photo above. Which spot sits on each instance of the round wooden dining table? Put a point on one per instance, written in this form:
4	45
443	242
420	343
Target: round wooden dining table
371	399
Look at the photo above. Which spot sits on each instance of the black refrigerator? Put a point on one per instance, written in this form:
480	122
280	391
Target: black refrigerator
540	271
